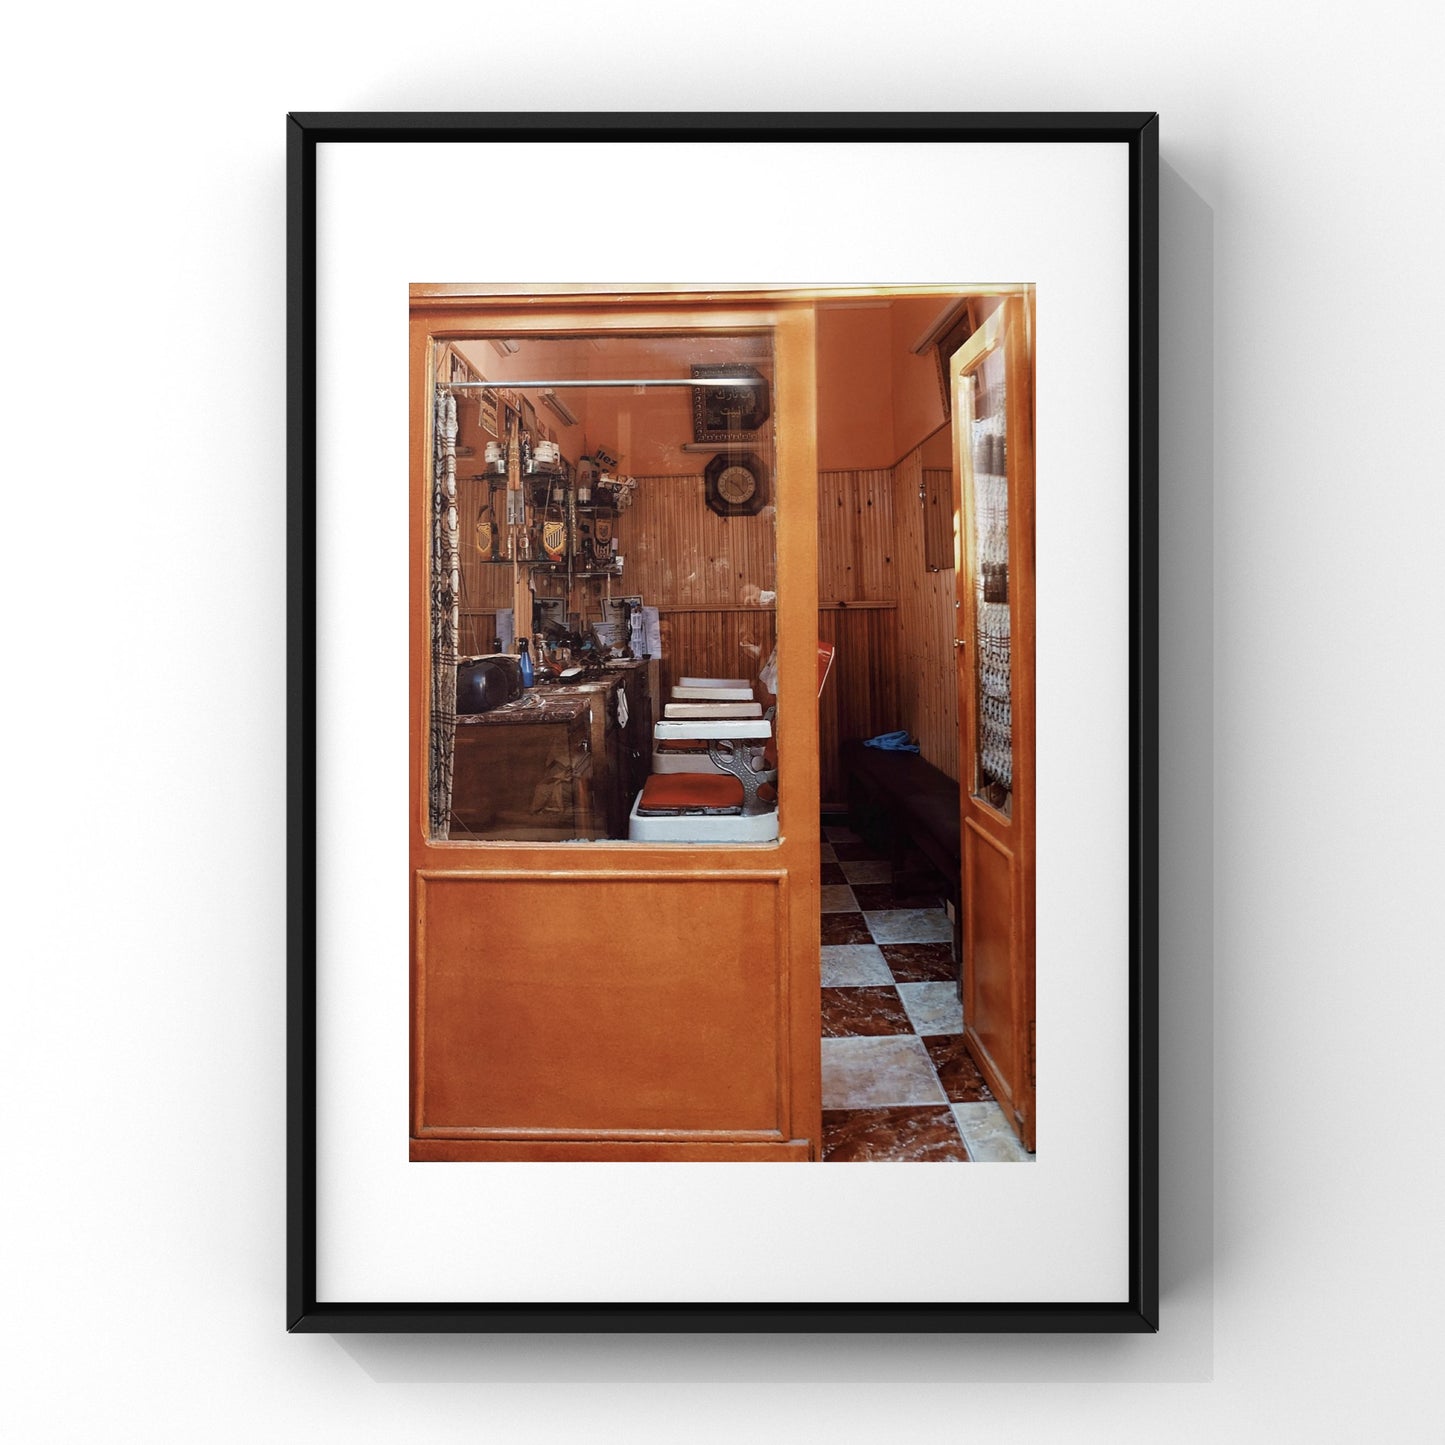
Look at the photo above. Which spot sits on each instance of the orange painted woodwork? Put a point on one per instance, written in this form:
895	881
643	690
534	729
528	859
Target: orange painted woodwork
589	1006
611	1000
998	842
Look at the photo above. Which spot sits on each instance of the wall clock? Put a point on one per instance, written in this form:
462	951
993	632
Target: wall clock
737	484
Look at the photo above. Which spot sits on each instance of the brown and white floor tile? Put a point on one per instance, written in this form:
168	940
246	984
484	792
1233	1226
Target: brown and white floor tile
920	962
845	928
957	1071
854	965
933	1008
874	897
908	925
898	1083
988	1136
915	1135
858	1012
868	870
864	1073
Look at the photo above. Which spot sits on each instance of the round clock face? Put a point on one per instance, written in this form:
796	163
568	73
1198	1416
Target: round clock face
736	484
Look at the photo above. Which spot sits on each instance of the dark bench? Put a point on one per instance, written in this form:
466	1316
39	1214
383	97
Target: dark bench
907	809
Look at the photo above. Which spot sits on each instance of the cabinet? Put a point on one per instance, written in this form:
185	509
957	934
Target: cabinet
524	772
564	761
629	742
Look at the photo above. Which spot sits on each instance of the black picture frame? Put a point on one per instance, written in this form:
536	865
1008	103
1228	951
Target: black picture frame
714	407
305	1311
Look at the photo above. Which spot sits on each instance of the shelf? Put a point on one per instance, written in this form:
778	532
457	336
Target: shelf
559	569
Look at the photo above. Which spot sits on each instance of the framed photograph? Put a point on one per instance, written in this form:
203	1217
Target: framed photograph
589	939
488	416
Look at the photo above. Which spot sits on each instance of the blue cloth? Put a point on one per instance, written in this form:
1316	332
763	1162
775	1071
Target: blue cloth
891	743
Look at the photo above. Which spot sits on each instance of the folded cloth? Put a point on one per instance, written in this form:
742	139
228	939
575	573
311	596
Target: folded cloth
892	742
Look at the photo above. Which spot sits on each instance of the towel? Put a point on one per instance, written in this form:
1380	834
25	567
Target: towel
892	743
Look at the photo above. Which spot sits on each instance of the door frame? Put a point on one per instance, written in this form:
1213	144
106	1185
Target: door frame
793	862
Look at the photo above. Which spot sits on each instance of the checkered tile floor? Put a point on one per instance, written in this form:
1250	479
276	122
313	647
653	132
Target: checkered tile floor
898	1083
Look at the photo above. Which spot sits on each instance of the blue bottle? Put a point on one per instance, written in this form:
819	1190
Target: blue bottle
526	662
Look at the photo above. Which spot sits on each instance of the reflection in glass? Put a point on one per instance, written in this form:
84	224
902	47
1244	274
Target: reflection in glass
988	443
590	512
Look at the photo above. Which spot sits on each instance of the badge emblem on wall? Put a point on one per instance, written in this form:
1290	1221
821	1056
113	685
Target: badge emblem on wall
554	540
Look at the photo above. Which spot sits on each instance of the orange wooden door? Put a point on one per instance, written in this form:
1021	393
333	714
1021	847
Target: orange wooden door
613	1000
992	390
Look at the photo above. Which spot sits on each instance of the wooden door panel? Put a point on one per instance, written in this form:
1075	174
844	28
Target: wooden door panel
990	943
991	378
602	1006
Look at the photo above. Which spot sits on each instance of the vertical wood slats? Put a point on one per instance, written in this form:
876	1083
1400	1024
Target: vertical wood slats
861	697
857	562
927	676
937	518
855	537
485	586
715	644
479	630
705	574
679	553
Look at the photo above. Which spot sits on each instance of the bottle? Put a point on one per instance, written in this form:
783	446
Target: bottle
544	668
527	674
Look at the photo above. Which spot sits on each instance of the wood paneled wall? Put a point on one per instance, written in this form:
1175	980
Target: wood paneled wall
705	574
927	678
855	537
937	503
718	643
680	554
485	586
858	579
889	618
861	697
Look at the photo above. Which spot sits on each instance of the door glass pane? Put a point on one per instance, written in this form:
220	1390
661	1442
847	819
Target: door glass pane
604	568
988	444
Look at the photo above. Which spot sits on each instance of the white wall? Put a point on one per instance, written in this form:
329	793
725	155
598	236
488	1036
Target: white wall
1302	522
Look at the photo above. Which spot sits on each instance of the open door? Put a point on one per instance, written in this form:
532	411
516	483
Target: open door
991	378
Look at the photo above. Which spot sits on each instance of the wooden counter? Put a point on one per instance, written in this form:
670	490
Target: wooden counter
558	763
